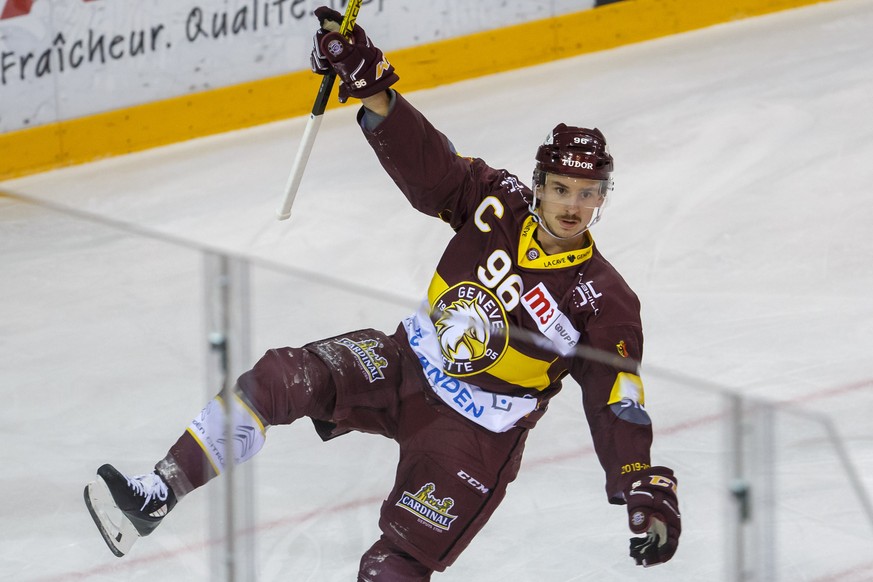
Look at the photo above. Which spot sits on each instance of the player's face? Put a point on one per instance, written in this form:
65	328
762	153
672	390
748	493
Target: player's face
567	203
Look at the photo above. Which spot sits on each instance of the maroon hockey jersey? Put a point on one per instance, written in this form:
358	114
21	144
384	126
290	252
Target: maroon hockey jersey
503	321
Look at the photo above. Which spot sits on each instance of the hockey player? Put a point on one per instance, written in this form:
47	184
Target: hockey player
520	299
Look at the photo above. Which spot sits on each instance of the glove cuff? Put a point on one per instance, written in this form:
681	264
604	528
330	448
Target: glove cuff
653	476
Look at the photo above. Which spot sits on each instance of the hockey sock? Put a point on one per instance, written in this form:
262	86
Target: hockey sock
200	453
208	429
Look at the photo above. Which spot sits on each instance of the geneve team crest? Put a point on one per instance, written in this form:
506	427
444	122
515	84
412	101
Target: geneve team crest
471	328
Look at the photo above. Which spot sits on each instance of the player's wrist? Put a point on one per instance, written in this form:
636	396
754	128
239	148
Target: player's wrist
380	103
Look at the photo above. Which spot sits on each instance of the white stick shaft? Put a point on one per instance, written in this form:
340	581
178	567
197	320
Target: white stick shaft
296	175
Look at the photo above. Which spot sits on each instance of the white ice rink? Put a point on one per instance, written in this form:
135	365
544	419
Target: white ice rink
742	216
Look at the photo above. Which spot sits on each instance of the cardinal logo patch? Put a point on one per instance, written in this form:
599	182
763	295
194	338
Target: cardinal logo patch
370	361
430	510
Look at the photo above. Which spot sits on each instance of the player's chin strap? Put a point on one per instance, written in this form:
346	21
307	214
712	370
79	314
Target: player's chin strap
534	211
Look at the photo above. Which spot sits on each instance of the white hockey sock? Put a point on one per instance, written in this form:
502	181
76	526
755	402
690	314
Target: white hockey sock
208	430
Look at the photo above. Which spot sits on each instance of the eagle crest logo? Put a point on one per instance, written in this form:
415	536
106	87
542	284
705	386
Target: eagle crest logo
470	327
463	330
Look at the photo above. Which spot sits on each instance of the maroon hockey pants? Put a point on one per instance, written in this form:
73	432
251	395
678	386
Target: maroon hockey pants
451	476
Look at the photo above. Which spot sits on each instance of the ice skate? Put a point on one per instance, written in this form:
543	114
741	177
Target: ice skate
127	508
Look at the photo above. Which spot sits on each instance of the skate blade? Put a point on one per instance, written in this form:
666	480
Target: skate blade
117	531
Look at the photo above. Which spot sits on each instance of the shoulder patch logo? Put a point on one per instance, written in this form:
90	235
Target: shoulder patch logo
584	294
512	183
622	349
365	351
431	511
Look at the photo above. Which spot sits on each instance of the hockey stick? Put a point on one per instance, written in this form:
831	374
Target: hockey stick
284	212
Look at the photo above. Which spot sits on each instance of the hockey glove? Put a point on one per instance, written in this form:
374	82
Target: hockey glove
653	509
360	65
330	21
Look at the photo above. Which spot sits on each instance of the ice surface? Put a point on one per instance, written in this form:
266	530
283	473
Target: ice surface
742	216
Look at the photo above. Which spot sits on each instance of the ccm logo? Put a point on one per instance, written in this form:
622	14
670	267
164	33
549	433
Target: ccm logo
473	482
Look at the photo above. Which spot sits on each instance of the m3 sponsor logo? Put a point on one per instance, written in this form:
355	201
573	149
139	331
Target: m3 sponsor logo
556	326
430	510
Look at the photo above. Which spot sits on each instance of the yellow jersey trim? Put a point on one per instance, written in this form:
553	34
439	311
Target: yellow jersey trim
627	386
532	256
205	450
521	370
